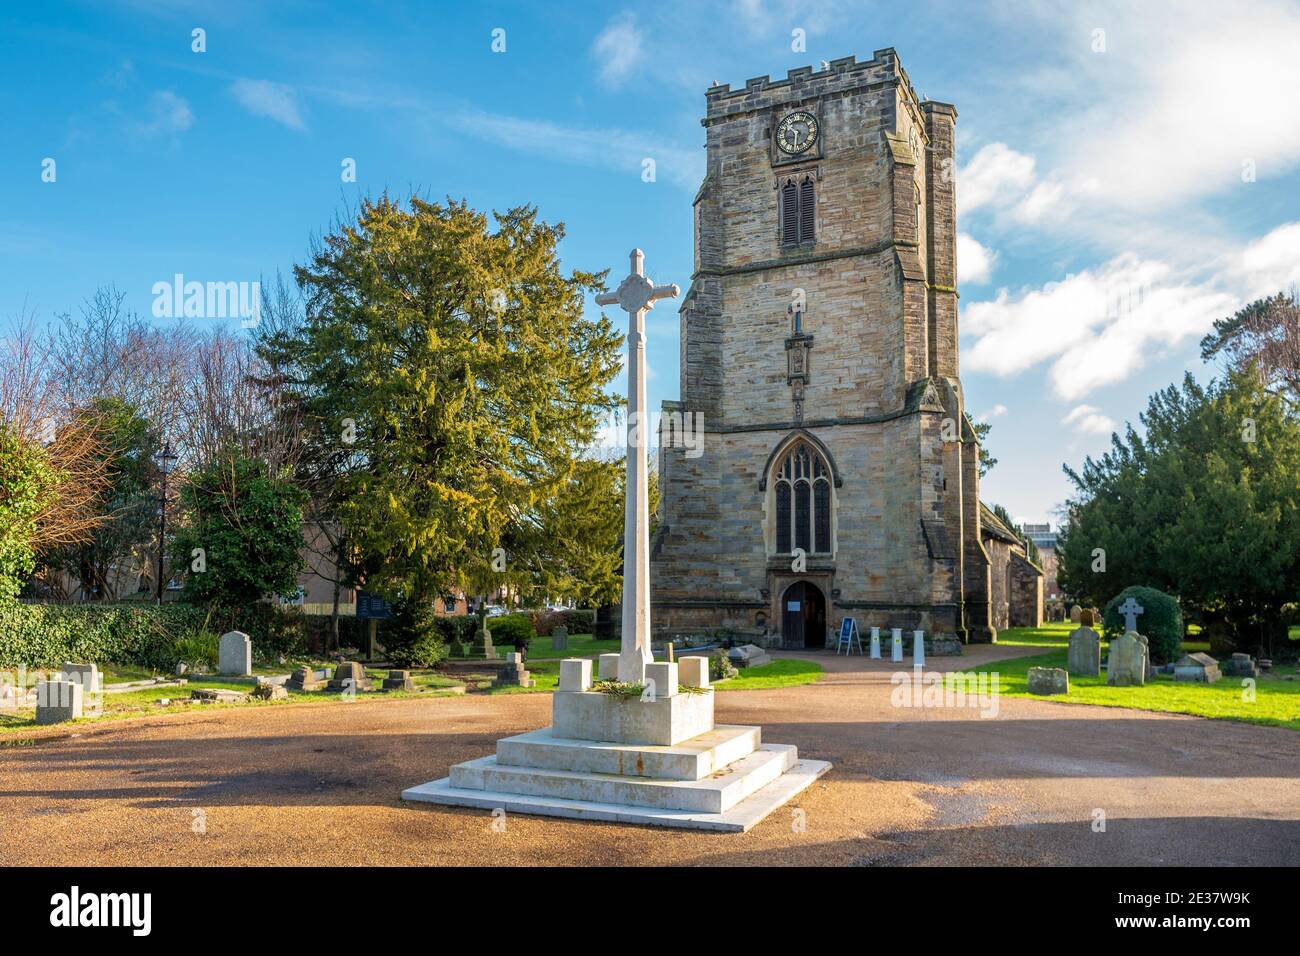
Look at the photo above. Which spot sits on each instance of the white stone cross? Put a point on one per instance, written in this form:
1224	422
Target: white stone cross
1130	609
636	295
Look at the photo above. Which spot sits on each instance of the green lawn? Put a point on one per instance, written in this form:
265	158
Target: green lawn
580	645
779	673
141	702
1276	703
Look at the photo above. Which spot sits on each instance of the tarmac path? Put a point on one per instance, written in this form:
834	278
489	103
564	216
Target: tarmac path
319	784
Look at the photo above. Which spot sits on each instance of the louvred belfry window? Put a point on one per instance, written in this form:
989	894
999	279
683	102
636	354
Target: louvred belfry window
803	501
798	212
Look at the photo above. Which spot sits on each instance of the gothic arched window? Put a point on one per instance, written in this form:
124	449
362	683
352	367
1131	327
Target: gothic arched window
798	211
802	496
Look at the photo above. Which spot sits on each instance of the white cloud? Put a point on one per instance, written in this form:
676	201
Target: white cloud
1272	263
974	261
618	49
1164	123
1100	326
997	173
273	100
1089	420
993	412
167	114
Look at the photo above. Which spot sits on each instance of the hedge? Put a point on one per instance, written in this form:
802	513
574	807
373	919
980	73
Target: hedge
145	635
1161	621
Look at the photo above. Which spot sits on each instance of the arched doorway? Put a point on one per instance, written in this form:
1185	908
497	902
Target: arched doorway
803	616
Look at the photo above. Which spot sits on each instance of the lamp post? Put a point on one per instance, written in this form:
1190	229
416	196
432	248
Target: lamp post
166	462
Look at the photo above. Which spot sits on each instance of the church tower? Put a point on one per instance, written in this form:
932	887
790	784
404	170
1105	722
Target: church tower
836	473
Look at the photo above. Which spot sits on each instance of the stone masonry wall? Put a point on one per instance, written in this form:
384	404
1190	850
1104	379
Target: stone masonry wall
881	308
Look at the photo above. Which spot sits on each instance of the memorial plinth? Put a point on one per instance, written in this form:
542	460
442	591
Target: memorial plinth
660	761
637	748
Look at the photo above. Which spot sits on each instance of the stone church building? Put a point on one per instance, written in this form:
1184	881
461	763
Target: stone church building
840	473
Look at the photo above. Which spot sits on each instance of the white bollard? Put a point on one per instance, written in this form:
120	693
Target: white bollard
875	643
896	651
918	648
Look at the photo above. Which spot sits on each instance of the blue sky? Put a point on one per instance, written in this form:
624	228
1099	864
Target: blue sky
1127	172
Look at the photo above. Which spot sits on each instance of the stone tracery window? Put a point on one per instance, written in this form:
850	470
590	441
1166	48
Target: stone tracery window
803	501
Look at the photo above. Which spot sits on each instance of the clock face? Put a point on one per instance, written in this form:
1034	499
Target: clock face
797	132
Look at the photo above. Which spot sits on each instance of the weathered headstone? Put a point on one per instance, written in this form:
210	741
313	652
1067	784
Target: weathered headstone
218	695
560	638
87	675
748	655
1197	668
305	678
1086	618
514	674
398	680
58	700
349	676
481	646
235	654
1075	613
1048	680
1239	665
1084	658
265	690
1126	665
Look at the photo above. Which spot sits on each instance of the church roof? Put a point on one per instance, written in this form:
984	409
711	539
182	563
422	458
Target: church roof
992	526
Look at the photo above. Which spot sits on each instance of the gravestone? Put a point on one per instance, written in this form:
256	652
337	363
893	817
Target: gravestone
481	646
560	638
1048	680
398	680
1127	663
235	654
1146	655
514	674
1075	613
210	695
1197	668
1239	665
349	675
265	690
304	678
87	675
1084	659
748	655
1087	618
58	701
1130	610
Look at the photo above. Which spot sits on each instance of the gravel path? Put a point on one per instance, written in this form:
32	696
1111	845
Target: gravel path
319	784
